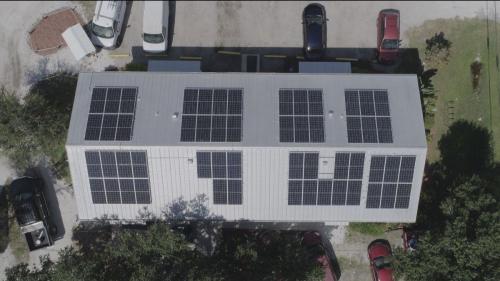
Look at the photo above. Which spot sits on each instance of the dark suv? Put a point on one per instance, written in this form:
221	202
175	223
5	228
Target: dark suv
31	211
314	29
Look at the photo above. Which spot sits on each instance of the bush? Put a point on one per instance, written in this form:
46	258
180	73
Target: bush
437	48
136	67
36	128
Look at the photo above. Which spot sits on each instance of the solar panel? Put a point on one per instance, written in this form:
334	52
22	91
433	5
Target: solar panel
345	189
310	193
111	114
324	192
301	115
225	169
348	173
353	193
294	192
390	181
212	115
368	116
118	177
339	192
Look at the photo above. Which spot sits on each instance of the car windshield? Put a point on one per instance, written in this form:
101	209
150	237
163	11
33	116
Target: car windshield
382	262
314	19
390	44
153	38
101	31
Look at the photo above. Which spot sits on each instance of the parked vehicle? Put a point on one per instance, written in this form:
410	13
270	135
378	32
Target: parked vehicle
312	240
380	256
107	23
388	36
32	213
314	29
155	26
410	239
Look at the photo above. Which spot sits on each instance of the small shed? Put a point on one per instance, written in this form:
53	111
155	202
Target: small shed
78	41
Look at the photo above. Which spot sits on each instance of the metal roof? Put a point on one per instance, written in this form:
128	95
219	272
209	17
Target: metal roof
160	96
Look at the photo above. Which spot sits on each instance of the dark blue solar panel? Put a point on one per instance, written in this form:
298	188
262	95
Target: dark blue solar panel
218	115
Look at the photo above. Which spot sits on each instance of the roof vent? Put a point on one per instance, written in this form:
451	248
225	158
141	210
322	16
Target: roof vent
175	115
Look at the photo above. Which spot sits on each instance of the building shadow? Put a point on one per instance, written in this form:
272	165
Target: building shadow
125	25
171	23
282	60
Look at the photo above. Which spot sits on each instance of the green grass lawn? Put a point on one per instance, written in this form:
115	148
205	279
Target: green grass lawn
374	229
453	81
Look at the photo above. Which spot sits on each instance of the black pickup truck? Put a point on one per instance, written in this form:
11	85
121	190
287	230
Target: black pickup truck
32	214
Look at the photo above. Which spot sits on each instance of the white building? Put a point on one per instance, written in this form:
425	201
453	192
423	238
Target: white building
261	146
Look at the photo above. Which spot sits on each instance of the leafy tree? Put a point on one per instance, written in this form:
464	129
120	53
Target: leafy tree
268	255
35	128
157	253
467	246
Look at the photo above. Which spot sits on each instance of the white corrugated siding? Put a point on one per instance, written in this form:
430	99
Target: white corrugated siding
265	185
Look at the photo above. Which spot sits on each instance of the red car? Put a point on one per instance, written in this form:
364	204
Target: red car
312	240
388	36
380	256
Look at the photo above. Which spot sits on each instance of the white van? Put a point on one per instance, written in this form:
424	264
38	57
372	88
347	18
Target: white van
107	23
154	26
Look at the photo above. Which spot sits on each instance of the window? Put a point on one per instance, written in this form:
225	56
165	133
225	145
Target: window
111	115
368	116
212	115
390	181
118	177
301	115
304	187
225	170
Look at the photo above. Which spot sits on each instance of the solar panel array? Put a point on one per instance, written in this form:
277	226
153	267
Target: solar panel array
304	187
348	176
301	115
111	115
390	181
225	169
118	177
368	116
212	115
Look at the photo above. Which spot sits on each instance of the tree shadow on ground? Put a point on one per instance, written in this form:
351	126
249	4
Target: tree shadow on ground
466	150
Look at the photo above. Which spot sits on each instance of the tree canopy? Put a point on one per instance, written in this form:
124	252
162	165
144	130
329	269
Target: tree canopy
163	251
35	127
459	212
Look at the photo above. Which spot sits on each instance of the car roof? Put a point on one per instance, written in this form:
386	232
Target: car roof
153	17
313	9
106	12
23	185
391	22
379	248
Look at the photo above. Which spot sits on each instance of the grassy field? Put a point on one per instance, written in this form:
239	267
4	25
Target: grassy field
453	81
